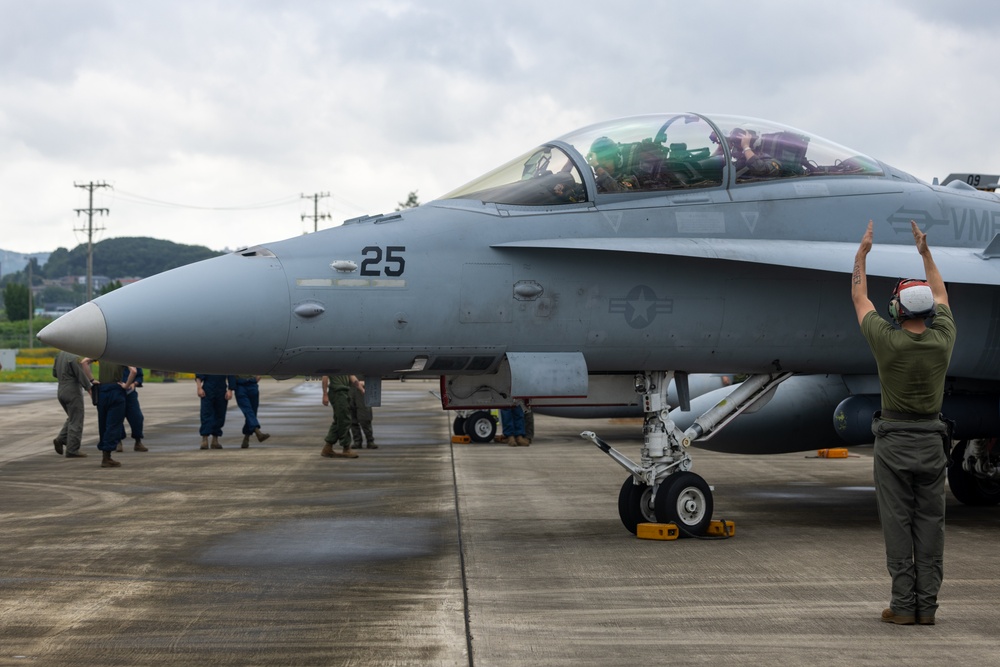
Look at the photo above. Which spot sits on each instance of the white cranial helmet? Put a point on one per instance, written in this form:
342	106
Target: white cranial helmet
912	299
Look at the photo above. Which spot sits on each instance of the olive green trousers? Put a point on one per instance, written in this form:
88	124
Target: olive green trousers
910	465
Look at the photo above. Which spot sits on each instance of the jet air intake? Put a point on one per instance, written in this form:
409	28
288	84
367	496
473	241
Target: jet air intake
974	417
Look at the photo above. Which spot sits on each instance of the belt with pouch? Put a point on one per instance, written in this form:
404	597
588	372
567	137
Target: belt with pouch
910	416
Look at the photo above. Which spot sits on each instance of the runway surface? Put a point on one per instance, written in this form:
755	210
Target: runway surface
426	553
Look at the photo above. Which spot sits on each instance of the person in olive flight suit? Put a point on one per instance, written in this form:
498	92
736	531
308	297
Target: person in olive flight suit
72	374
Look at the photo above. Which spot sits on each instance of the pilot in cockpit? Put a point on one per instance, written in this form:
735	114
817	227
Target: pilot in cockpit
566	189
748	157
606	160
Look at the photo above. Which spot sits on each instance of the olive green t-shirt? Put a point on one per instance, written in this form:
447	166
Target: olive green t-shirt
340	383
911	367
109	373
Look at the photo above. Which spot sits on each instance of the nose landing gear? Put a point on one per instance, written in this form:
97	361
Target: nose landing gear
661	487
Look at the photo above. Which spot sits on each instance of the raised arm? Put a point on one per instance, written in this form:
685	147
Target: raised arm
859	279
934	279
85	367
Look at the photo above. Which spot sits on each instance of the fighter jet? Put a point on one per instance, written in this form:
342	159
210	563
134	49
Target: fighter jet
595	269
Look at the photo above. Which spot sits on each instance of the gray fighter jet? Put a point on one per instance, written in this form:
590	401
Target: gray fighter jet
593	270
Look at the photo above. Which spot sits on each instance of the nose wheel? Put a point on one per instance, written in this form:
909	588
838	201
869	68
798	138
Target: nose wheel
635	505
683	499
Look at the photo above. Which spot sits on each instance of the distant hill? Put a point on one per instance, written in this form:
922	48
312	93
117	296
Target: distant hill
137	256
12	262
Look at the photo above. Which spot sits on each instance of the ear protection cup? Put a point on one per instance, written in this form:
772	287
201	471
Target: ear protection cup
894	308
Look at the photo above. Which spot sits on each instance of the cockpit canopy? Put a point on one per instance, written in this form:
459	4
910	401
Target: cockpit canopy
663	152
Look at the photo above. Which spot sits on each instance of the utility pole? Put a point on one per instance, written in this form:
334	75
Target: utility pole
316	216
90	211
31	307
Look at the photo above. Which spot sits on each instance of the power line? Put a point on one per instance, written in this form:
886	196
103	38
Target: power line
316	216
149	201
90	211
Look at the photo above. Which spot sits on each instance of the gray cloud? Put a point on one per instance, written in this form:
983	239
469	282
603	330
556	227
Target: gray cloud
229	102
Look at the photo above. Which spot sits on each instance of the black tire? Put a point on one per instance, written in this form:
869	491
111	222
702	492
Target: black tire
458	426
633	505
684	499
480	426
966	487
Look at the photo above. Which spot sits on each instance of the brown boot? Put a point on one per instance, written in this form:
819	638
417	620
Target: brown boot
204	442
522	441
327	451
348	453
215	442
139	447
889	616
261	437
119	447
108	462
246	442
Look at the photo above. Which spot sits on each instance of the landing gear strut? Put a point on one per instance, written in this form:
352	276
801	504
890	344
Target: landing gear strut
661	487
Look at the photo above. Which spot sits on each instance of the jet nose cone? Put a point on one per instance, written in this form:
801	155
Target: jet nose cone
229	314
81	331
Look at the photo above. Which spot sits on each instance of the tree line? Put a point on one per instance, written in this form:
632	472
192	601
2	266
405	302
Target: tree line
126	257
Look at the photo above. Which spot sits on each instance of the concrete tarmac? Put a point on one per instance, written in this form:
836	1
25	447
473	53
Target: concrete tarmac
422	552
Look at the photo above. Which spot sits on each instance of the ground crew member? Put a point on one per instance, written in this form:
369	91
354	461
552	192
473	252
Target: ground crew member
133	413
215	392
910	437
361	417
248	400
111	407
512	421
72	374
336	392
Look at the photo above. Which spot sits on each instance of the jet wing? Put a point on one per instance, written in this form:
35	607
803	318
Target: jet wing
957	265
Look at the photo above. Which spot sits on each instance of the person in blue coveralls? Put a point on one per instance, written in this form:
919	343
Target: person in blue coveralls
215	392
111	407
133	413
248	399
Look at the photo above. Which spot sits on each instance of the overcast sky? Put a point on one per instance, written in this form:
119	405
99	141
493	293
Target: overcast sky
211	117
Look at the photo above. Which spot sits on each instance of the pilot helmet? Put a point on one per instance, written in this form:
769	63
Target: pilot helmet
911	299
605	150
736	138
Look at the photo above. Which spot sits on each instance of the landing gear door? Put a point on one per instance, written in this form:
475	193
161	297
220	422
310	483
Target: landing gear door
521	375
534	374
